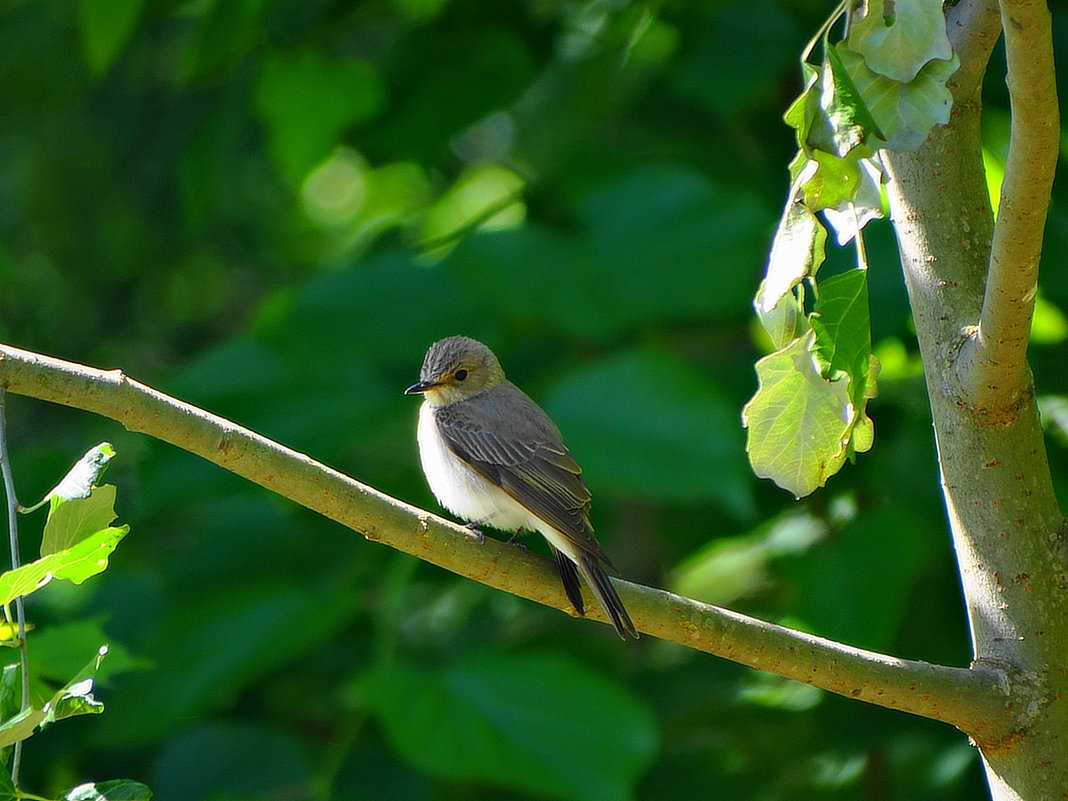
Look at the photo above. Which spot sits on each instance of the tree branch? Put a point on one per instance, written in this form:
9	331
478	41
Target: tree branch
973	27
995	360
1001	504
977	700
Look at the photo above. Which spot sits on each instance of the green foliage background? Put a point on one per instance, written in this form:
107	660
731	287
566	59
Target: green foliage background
270	208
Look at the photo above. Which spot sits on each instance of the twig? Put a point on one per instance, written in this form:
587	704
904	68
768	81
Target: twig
20	606
973	699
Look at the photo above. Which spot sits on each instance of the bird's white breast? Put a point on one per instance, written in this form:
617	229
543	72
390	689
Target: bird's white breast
463	491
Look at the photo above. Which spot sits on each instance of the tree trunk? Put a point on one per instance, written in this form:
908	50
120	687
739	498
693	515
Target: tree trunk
1007	527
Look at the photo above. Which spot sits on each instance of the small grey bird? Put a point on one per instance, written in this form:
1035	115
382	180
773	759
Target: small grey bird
491	455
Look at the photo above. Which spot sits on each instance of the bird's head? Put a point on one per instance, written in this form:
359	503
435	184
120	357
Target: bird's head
456	369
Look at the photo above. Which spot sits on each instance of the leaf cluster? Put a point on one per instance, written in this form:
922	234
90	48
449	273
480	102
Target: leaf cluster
77	540
882	87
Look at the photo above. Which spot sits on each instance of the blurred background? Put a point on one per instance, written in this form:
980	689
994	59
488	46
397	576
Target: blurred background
270	208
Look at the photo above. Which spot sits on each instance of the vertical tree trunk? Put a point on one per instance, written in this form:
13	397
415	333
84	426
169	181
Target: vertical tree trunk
1007	527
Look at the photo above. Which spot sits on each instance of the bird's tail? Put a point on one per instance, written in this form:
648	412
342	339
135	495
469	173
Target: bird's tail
601	585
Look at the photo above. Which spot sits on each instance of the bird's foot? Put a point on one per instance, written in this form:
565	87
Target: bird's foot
476	532
514	541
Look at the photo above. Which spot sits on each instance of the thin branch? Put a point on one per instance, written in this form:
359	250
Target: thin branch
974	699
20	605
1001	378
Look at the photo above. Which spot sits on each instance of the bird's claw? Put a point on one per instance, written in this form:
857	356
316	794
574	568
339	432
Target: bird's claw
476	532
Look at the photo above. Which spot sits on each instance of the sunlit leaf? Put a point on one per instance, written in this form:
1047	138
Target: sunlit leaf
805	110
851	123
842	323
307	100
74	698
798	422
786	320
71	522
866	205
774	692
731	567
487	197
114	790
898	37
905	112
796	253
80	479
77	563
105	27
836	181
77	700
1048	325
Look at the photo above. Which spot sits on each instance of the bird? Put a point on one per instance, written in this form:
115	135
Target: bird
492	456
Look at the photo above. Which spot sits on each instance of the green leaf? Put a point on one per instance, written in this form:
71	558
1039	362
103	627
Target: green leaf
105	27
21	727
80	479
798	422
77	563
8	792
808	414
805	111
731	567
851	123
905	112
60	649
866	204
518	722
243	634
250	761
88	557
835	598
775	692
70	522
74	698
786	320
11	691
77	700
225	32
898	43
114	790
796	253
842	322
835	182
308	101
1048	324
830	114
647	423
486	198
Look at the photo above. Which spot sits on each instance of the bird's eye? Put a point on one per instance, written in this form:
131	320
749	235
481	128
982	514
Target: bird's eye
460	374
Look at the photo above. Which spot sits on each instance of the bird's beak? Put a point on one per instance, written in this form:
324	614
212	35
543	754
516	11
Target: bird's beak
421	387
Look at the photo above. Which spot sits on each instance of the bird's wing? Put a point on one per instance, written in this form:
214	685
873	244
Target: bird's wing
524	455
